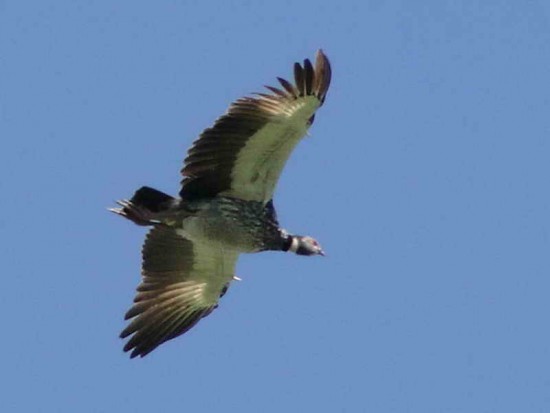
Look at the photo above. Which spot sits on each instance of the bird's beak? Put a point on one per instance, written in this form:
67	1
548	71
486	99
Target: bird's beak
322	253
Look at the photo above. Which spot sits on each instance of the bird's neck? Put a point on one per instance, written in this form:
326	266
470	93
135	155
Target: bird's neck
290	243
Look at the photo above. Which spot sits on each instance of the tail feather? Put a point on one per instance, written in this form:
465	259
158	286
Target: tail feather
144	206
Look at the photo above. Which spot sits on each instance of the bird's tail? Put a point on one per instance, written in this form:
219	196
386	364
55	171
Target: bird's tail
145	207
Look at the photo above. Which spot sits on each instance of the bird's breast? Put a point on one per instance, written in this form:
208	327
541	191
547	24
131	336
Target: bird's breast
232	224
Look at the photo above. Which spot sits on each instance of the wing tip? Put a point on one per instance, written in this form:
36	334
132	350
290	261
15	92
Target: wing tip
323	75
308	79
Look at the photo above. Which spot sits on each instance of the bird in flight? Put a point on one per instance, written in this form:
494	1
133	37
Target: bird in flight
224	208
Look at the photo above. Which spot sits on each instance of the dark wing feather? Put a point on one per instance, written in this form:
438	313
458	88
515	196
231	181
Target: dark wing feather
182	283
309	74
291	90
243	153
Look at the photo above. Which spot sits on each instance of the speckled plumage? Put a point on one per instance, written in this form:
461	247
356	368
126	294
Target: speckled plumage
231	223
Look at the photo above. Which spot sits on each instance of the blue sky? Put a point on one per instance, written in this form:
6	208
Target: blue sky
425	179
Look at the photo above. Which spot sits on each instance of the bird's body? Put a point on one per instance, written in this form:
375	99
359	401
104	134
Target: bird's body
234	224
224	208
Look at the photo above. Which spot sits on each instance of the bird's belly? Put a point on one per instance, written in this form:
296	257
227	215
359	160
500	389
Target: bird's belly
224	232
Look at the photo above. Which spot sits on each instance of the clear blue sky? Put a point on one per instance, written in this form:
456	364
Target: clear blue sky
426	179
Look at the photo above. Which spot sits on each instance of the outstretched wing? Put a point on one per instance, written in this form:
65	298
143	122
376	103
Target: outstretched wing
182	282
243	154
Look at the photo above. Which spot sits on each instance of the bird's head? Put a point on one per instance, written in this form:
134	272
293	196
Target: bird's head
305	245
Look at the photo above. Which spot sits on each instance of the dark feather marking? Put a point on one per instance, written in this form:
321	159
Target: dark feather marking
322	76
277	91
288	87
210	155
196	169
309	75
169	328
299	78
